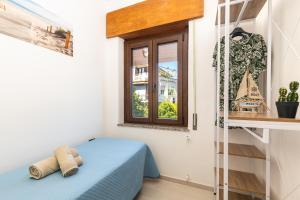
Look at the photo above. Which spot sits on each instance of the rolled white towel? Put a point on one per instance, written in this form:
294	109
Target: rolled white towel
50	165
66	161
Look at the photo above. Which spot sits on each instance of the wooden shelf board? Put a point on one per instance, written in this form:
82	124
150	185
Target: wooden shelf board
244	182
260	117
237	196
251	12
242	150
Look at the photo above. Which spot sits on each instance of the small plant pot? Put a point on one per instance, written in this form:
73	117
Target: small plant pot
287	109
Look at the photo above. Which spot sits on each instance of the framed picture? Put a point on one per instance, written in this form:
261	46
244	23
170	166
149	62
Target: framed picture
30	22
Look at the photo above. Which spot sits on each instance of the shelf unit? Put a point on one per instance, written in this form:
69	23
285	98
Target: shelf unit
243	182
240	184
265	117
264	121
231	184
251	12
242	150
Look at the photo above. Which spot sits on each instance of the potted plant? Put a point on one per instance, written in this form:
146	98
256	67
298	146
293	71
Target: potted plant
287	106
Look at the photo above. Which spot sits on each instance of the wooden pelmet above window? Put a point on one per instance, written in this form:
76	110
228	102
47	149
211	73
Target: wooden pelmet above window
150	14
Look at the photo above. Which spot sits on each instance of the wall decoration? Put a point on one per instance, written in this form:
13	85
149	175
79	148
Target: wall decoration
248	97
28	21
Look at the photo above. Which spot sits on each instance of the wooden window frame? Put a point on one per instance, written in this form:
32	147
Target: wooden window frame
152	42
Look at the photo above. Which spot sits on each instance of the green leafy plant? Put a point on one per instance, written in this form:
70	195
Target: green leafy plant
287	106
139	108
167	110
282	95
293	95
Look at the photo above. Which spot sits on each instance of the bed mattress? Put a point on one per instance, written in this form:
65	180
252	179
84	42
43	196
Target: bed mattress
113	170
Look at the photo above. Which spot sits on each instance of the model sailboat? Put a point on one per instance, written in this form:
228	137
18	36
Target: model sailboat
248	97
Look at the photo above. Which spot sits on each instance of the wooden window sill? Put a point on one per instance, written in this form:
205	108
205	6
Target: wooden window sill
157	127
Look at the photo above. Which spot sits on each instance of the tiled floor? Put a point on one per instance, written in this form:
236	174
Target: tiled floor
164	190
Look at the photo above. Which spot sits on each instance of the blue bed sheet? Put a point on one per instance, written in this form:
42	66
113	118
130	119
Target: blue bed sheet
113	170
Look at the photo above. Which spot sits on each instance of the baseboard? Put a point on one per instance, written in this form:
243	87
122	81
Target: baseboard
189	183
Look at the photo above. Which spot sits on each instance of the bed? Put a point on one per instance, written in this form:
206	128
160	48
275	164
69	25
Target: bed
113	170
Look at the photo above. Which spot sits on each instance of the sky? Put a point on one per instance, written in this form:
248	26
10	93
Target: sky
35	9
172	66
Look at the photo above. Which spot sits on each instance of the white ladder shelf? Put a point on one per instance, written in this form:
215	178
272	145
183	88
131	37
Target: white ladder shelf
237	185
230	184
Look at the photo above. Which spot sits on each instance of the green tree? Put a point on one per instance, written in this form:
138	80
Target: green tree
139	108
167	110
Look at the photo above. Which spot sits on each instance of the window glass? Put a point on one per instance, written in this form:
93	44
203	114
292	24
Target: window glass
140	101
156	79
167	81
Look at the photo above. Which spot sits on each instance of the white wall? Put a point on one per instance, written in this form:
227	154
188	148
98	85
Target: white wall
285	145
47	98
175	157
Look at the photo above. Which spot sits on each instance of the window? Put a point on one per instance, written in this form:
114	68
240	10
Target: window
156	79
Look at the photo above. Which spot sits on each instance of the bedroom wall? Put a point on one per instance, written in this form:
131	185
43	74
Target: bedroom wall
285	145
47	98
176	156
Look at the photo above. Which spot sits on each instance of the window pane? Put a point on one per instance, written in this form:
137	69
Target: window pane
167	81
139	86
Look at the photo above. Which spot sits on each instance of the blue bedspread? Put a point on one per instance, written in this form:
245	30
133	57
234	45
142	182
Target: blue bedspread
113	170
